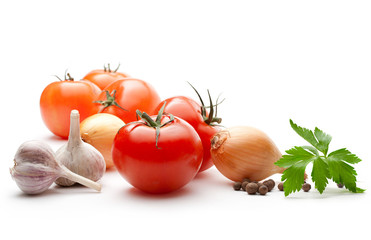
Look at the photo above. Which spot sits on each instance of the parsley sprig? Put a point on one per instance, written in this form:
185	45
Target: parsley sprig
325	166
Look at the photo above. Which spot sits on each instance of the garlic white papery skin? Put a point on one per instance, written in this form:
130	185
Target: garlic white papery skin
245	152
35	169
78	156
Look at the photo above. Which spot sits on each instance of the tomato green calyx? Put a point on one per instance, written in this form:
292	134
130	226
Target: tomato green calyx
67	77
110	101
108	68
156	124
211	118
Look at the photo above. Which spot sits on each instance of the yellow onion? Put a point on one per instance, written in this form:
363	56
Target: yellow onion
245	152
99	130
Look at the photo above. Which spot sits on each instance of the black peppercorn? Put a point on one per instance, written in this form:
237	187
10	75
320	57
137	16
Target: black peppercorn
251	188
280	186
243	185
269	184
246	180
273	183
306	187
340	185
237	186
263	190
260	184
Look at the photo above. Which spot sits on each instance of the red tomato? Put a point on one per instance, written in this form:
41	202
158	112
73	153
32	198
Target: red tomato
190	111
165	168
130	94
58	100
103	77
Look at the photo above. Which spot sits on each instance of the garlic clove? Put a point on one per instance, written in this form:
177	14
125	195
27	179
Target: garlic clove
68	174
84	160
35	152
78	156
35	168
63	157
33	179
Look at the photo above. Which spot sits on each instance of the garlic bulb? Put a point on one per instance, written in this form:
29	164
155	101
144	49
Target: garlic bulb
35	169
245	152
78	156
99	130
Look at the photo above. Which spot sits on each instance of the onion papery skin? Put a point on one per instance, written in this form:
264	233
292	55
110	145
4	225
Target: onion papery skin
245	152
99	130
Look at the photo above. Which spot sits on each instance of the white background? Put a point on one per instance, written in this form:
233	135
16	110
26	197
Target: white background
272	60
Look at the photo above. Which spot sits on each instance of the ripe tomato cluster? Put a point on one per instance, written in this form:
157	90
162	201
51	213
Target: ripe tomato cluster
162	146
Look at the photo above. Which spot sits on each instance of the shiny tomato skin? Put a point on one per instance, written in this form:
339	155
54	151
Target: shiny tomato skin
167	168
102	78
131	94
58	99
190	111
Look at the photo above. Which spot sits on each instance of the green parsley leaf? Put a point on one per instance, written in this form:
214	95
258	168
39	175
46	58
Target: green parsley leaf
295	161
305	133
345	155
318	138
340	171
320	174
335	166
323	140
311	149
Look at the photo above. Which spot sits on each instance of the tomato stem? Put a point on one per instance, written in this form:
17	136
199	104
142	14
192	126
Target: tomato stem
67	77
118	66
156	124
210	118
148	120
110	101
58	77
108	68
211	113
